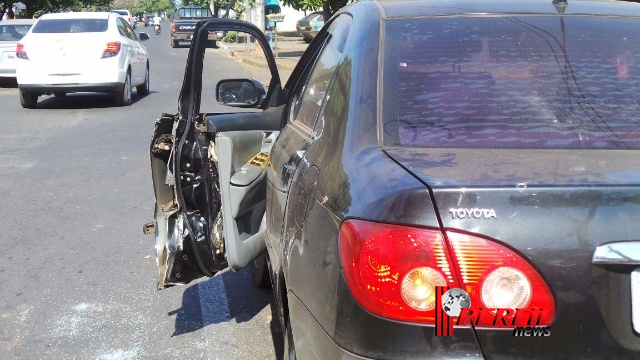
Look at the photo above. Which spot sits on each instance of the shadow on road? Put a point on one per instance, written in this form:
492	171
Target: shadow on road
82	101
225	298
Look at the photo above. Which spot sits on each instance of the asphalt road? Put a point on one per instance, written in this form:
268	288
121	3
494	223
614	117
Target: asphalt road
77	276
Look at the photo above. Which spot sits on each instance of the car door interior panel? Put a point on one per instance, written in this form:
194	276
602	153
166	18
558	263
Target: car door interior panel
242	220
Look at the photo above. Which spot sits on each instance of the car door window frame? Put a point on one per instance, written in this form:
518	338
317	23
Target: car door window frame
340	26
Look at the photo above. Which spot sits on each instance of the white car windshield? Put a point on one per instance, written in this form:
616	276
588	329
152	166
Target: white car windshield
58	26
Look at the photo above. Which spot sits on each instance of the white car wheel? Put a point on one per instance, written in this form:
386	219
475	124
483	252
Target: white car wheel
144	88
28	100
123	97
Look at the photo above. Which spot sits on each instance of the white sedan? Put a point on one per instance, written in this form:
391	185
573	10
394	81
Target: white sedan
81	52
11	31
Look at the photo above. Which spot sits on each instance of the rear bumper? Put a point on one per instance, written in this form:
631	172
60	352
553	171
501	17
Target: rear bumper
189	36
322	346
104	75
181	36
7	68
48	88
356	334
7	71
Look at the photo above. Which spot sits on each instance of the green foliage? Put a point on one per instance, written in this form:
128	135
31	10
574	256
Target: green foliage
203	3
149	7
39	7
230	37
308	5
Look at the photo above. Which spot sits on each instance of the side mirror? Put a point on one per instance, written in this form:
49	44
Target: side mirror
143	36
244	93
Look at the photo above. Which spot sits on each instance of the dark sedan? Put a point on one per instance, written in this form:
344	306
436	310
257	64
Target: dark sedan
450	179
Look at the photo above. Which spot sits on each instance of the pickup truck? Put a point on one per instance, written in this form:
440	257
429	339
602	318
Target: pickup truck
184	22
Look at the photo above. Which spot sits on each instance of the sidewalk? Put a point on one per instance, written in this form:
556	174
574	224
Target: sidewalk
287	50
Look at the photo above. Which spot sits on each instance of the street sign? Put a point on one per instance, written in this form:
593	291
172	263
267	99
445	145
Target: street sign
275	17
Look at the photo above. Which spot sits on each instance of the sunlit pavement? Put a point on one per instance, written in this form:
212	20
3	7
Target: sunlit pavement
287	48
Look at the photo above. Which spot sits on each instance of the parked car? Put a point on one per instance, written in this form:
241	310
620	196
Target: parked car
126	14
309	25
490	146
81	52
11	31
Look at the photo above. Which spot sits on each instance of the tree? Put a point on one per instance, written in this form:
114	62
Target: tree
329	7
38	7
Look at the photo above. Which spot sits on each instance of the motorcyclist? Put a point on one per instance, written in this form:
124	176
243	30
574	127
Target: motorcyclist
156	22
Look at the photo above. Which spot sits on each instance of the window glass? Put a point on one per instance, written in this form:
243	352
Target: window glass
194	12
121	28
555	82
306	106
13	32
128	30
59	26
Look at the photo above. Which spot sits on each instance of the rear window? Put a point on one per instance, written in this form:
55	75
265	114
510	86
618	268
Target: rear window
13	32
512	82
194	12
58	26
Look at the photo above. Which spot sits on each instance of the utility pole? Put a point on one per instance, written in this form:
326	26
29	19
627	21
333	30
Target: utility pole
259	22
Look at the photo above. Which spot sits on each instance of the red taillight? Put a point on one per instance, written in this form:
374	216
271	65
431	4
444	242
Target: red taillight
308	27
378	259
392	271
111	49
496	277
173	27
20	53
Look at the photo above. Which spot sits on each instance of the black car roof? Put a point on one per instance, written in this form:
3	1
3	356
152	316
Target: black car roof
420	8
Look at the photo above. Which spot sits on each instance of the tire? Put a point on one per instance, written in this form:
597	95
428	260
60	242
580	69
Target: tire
123	97
59	94
28	100
260	272
289	347
174	43
143	89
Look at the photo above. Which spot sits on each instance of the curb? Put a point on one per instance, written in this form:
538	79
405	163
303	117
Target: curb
282	63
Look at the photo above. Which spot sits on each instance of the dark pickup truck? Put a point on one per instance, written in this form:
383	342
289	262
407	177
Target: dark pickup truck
184	22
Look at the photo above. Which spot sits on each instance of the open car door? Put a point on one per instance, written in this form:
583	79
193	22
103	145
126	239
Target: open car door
209	163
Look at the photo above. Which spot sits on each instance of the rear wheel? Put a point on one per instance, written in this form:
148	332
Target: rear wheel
260	272
144	88
123	97
28	100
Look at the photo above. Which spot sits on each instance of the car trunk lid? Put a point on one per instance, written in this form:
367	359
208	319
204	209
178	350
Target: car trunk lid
554	208
66	51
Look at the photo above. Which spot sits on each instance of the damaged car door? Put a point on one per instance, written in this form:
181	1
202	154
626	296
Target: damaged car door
209	162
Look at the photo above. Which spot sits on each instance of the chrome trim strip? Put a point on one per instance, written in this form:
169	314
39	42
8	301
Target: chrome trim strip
618	253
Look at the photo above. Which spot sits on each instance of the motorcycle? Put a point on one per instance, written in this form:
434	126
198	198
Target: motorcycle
156	29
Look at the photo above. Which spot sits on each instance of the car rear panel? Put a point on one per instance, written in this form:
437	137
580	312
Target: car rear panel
71	58
7	58
553	208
